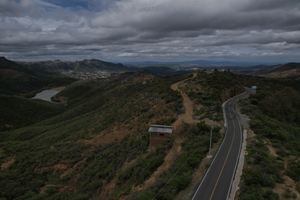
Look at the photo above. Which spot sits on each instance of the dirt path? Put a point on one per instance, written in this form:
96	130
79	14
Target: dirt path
175	150
185	117
188	105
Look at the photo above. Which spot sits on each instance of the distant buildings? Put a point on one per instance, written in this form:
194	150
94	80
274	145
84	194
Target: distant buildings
88	75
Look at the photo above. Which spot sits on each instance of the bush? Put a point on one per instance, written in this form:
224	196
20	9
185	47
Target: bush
270	195
28	195
294	170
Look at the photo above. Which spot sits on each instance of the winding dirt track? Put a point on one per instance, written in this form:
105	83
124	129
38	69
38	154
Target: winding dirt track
188	105
175	150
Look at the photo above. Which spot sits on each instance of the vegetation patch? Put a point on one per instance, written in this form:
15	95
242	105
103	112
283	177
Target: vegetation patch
274	118
178	176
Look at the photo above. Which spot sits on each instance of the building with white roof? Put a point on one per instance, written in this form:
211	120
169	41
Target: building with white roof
160	134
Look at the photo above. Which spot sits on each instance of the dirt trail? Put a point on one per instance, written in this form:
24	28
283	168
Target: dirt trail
188	105
175	150
185	117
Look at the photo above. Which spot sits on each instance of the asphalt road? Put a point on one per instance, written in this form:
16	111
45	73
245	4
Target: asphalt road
217	182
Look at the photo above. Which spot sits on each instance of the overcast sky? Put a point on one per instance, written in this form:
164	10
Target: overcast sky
150	30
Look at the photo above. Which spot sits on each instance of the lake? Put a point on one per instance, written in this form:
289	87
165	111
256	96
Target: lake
46	94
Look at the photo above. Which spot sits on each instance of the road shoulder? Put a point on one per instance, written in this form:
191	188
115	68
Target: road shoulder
244	121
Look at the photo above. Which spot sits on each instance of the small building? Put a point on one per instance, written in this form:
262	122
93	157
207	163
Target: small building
254	87
159	134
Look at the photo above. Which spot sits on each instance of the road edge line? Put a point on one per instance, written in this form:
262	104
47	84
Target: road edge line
223	105
238	158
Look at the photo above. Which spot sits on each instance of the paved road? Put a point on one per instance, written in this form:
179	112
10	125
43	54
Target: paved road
217	182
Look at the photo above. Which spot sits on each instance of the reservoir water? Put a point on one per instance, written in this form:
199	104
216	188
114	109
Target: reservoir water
46	94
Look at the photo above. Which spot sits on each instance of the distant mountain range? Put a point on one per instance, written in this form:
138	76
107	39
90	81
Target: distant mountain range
285	70
95	65
16	79
161	68
201	62
85	65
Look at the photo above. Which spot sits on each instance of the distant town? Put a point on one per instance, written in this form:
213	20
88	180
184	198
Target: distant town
89	75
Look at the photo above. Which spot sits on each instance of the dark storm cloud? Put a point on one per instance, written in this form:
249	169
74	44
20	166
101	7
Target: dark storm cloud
257	5
150	29
197	15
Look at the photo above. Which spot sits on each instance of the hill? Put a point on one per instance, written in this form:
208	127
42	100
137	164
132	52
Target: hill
97	147
16	79
85	65
271	169
18	112
286	70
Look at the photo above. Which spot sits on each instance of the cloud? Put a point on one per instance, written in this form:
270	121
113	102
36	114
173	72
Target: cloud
21	8
34	28
157	29
46	4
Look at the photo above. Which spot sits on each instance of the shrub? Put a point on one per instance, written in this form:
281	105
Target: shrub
270	195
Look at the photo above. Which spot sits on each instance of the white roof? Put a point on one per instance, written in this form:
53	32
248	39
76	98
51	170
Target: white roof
161	129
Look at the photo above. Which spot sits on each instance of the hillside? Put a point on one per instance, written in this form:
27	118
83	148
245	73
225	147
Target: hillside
97	147
271	169
286	70
18	112
85	65
16	79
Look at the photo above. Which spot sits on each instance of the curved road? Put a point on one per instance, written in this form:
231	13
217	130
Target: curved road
217	181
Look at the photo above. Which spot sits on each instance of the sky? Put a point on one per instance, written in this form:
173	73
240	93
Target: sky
151	30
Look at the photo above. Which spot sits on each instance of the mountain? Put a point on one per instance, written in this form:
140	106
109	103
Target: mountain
200	62
16	79
85	65
95	65
13	71
285	70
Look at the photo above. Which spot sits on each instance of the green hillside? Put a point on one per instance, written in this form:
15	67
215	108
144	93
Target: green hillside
97	147
35	162
272	165
18	112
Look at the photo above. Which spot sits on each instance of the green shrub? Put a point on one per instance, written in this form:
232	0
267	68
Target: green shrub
270	195
25	196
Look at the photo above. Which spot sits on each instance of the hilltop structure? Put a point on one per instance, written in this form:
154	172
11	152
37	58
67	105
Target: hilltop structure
160	134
